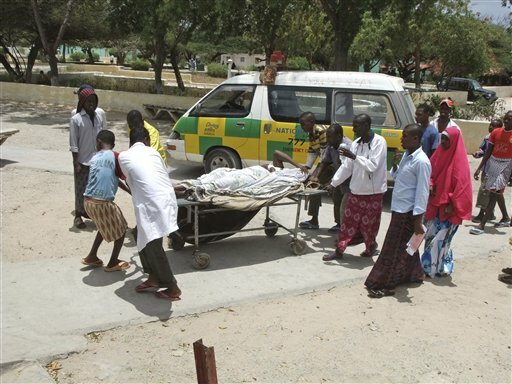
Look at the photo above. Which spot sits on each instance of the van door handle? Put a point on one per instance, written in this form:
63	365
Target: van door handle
240	124
266	128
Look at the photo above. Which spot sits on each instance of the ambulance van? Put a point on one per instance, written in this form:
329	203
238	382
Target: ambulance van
242	121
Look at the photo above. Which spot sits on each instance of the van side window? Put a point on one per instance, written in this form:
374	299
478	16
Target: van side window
288	103
227	101
347	105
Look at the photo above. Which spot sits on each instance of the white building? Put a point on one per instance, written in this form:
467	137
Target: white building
244	60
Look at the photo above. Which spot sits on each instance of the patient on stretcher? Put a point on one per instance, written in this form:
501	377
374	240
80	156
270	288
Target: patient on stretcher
261	182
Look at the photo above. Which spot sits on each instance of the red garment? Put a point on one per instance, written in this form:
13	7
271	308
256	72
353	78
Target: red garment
119	172
502	141
451	181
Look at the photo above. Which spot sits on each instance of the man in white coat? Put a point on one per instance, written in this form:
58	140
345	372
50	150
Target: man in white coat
156	211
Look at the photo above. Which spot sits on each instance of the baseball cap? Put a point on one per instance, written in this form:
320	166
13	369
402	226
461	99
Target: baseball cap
447	101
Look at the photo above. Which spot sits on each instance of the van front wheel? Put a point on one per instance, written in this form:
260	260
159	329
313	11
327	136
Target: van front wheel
221	158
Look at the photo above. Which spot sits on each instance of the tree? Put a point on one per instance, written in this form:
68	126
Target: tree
51	42
345	17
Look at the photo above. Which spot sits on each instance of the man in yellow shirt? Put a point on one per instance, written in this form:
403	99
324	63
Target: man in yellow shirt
135	120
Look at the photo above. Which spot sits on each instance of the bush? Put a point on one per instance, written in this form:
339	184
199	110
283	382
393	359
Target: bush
140	65
481	109
297	63
217	70
77	56
96	57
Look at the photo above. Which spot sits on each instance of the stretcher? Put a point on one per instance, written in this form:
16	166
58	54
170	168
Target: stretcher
201	223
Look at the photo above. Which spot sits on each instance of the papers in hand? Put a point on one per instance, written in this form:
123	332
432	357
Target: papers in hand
415	241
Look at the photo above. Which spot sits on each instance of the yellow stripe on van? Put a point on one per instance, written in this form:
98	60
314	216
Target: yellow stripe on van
211	126
191	144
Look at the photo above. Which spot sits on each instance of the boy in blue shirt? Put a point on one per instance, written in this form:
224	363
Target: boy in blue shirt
99	203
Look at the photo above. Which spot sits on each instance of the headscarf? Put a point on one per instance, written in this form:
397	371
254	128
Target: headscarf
451	179
84	92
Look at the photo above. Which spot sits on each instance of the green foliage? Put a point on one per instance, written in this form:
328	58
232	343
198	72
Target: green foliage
77	56
481	109
140	65
297	63
217	70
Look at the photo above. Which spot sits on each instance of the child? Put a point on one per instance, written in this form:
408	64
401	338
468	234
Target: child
483	195
99	203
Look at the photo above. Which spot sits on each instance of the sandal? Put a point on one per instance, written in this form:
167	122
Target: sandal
336	255
308	225
507	279
167	296
95	264
146	287
502	223
476	231
79	223
378	293
121	266
365	253
508	271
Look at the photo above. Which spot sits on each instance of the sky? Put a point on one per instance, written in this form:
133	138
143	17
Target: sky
491	8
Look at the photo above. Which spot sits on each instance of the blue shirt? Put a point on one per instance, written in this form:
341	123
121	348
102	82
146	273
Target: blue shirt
430	140
412	183
103	181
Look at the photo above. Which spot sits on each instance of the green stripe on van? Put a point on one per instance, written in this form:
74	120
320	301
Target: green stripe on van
187	125
207	142
251	130
300	134
282	146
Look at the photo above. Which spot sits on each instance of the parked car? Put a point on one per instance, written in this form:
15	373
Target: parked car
472	87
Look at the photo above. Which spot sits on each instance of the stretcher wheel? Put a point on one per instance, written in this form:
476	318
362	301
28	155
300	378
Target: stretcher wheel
271	231
201	260
297	246
176	242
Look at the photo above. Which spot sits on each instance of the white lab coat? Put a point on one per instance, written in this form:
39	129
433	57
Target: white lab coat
153	195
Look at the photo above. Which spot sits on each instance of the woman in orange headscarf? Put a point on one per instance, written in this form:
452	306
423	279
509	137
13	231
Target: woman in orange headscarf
450	202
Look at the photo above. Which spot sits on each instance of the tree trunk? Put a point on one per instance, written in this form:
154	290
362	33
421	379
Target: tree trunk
54	69
176	68
7	66
51	49
340	53
120	58
417	67
31	59
158	66
63	53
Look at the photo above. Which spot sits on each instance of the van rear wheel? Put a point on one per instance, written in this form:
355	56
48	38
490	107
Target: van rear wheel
221	158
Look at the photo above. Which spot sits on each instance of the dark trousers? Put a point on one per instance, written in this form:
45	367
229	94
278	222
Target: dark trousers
154	262
81	179
315	202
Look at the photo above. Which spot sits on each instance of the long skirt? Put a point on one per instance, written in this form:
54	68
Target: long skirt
361	221
437	259
81	179
394	265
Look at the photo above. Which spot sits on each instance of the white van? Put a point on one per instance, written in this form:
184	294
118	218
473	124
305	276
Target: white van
242	122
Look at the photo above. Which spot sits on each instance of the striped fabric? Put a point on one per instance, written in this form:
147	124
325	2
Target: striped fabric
108	218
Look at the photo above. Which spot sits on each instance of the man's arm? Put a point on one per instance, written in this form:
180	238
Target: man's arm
279	158
422	194
124	187
488	153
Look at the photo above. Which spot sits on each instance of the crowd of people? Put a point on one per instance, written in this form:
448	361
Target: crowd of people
432	192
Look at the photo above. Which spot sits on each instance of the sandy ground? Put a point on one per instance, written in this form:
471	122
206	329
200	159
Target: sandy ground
339	335
449	330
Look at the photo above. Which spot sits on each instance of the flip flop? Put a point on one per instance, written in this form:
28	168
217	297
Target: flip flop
121	266
166	296
95	264
476	231
333	256
508	271
146	287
